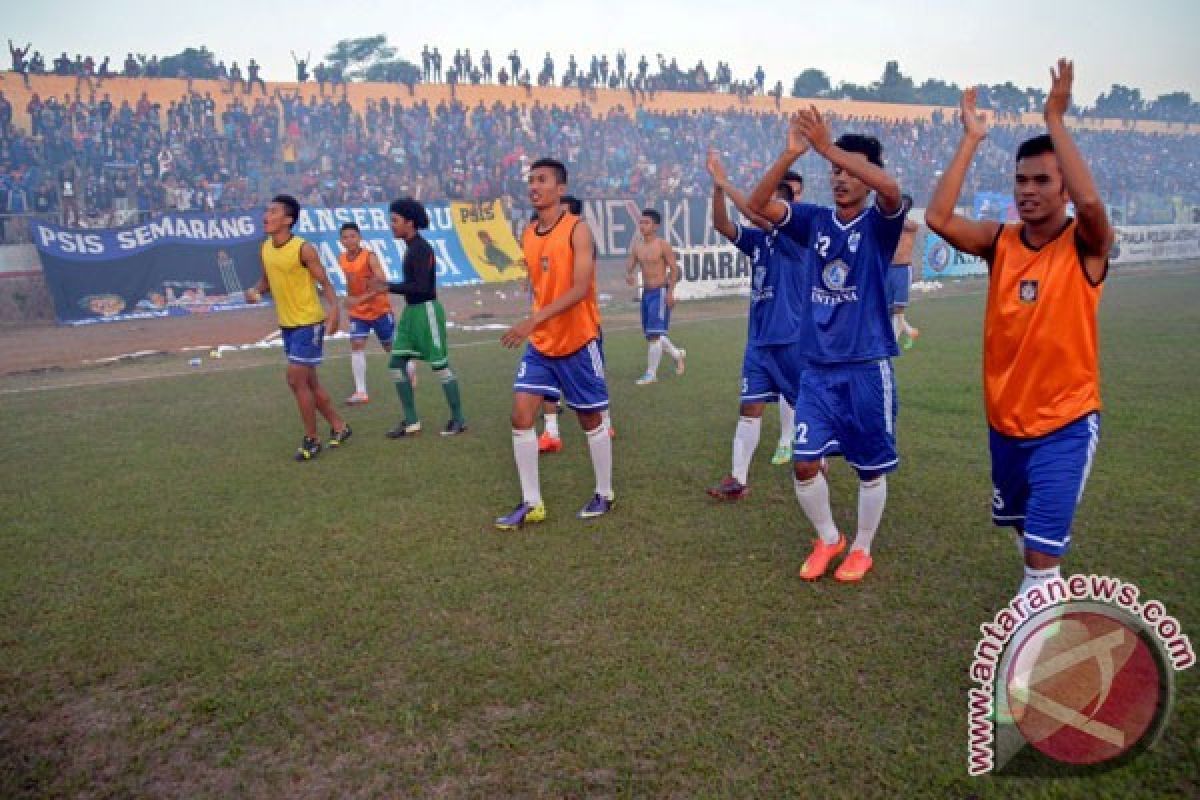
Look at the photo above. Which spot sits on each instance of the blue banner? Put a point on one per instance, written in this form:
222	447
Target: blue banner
940	260
212	230
321	226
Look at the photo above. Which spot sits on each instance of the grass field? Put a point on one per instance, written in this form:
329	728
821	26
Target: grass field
185	612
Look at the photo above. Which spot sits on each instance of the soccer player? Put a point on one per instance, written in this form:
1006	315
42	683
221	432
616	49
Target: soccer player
1041	373
421	333
773	360
292	271
551	439
660	272
787	414
563	355
368	309
900	280
846	403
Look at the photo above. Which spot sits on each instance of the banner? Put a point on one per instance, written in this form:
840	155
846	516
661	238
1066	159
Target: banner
486	236
322	226
686	223
193	263
177	265
1155	243
712	272
940	260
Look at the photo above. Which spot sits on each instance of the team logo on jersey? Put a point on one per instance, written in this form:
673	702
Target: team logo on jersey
835	273
1029	292
545	263
852	242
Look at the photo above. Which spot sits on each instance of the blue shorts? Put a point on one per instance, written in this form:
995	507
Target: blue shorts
384	327
577	378
304	344
1038	483
848	409
656	314
770	372
899	278
555	396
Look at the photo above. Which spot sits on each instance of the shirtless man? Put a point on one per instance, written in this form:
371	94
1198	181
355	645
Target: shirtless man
660	273
899	279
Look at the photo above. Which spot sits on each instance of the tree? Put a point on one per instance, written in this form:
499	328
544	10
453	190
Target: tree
811	83
852	91
1121	102
395	71
192	62
934	92
1174	107
895	86
1007	97
356	56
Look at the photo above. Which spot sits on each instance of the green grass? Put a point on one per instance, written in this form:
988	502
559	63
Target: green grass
186	612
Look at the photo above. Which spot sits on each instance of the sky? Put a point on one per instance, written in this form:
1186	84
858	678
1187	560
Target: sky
1148	44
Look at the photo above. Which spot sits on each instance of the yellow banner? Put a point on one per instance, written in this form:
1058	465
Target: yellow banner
487	239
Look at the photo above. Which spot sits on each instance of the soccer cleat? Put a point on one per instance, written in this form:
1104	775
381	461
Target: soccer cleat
548	443
454	427
648	377
404	429
358	399
783	453
309	448
337	438
730	488
818	560
598	506
521	515
680	363
856	565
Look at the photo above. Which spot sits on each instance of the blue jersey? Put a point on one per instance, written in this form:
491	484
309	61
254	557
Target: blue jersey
847	315
777	288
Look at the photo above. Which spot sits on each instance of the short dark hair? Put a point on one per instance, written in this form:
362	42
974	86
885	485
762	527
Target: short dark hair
290	204
1035	146
792	175
869	146
574	206
349	226
560	170
785	192
654	216
411	210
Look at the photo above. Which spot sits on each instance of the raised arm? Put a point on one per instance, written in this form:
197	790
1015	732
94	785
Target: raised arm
1095	233
814	129
968	235
312	262
720	210
762	200
583	278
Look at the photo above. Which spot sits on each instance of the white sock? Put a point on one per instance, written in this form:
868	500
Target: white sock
1037	577
904	324
653	356
669	347
787	423
600	446
814	501
358	367
745	442
551	424
872	496
897	325
525	451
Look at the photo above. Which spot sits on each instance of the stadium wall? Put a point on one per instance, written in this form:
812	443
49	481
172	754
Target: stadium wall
164	91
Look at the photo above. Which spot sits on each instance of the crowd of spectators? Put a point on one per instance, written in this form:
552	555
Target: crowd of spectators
96	162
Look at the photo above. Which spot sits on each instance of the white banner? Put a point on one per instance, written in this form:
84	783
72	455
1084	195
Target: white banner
1136	243
721	271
